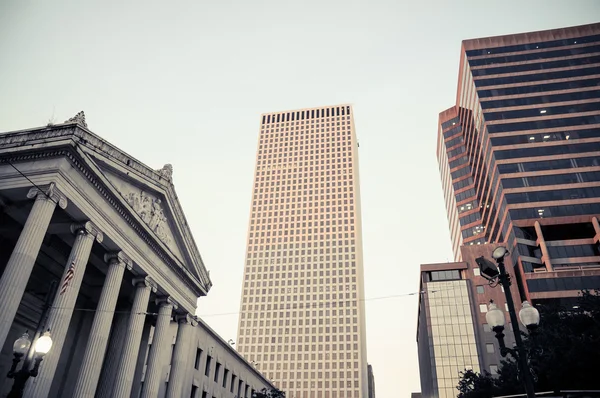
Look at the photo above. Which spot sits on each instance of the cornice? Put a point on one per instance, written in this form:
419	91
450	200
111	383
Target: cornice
78	133
112	199
174	208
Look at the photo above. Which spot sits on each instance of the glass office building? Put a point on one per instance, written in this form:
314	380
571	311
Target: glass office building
519	156
446	330
302	317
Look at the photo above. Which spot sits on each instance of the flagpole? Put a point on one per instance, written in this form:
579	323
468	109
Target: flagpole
42	322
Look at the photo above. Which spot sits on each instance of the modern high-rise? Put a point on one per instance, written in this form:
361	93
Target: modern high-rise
519	156
302	316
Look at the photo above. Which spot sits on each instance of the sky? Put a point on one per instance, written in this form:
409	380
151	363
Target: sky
184	82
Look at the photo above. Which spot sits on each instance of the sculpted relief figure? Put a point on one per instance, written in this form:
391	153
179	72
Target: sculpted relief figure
166	171
146	208
151	212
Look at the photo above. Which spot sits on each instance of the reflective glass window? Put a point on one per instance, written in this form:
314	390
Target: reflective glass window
536	138
563	74
565	122
547	150
542	110
531	56
541	99
538	88
547	64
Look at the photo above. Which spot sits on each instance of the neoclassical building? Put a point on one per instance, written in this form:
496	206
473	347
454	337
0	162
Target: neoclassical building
105	236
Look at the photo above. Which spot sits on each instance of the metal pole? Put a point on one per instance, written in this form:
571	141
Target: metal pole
25	373
522	356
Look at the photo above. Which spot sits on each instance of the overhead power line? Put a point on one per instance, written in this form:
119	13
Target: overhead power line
311	306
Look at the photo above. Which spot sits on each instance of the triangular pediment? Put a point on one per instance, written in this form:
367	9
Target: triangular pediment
145	198
150	197
150	206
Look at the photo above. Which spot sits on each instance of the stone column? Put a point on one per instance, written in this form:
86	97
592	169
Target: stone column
180	363
91	365
113	355
19	266
59	316
160	342
131	346
543	246
140	364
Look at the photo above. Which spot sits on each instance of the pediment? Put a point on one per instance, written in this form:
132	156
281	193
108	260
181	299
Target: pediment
150	206
150	196
144	197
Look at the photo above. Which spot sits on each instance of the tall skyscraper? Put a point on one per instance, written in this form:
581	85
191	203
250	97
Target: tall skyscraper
302	317
519	156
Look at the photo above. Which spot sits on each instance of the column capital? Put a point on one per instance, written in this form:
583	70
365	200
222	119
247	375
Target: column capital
186	319
120	258
145	281
166	300
88	228
50	192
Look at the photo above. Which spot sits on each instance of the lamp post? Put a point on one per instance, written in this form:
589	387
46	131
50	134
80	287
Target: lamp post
21	348
530	316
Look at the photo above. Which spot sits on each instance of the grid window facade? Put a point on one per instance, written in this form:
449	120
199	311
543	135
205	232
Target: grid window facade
302	309
450	324
522	143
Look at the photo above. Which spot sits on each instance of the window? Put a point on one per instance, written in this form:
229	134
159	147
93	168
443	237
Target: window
480	290
489	348
506	307
494	370
204	395
483	308
207	368
194	392
444	275
234	377
198	357
486	328
476	272
217	370
225	376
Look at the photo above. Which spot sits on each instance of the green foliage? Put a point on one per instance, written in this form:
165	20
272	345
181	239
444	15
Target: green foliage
562	354
268	394
476	385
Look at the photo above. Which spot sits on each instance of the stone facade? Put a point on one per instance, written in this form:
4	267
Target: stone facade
111	232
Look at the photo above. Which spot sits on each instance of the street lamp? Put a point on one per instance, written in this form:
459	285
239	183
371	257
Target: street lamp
21	349
529	316
495	318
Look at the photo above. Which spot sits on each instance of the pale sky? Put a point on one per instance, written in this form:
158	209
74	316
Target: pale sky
184	82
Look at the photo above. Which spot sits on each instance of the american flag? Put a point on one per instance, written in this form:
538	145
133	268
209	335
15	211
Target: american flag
68	277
